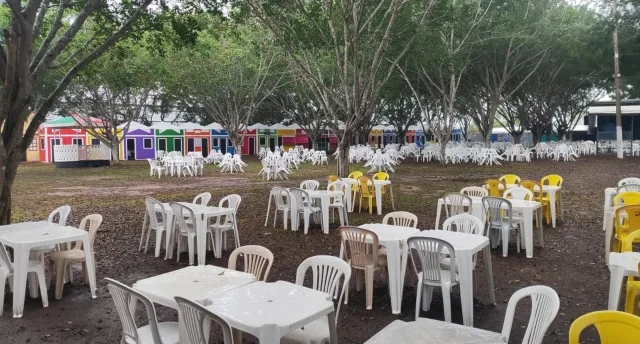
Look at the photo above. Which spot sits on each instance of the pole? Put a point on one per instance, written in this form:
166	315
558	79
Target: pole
616	65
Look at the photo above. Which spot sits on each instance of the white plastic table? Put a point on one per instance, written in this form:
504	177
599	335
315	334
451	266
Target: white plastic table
555	193
620	265
476	209
392	237
268	311
195	283
429	331
202	213
465	246
377	184
325	198
527	209
609	212
22	237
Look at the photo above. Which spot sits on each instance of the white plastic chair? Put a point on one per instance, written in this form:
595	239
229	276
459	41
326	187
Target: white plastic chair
338	202
154	332
630	180
223	224
545	304
518	192
257	260
37	253
327	272
303	207
401	218
155	167
456	203
475	191
202	199
499	215
7	270
186	229
282	203
311	185
431	251
154	209
62	213
464	223
193	318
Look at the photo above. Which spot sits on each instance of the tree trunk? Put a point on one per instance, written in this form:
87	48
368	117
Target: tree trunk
314	143
11	169
343	157
236	142
517	137
115	157
443	150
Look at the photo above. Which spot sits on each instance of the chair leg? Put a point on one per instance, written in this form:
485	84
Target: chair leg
190	243
370	205
368	276
146	245
446	303
52	265
505	242
419	291
427	296
306	222
144	227
85	272
158	242
3	283
43	287
60	269
359	280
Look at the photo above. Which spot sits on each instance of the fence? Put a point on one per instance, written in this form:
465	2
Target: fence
68	153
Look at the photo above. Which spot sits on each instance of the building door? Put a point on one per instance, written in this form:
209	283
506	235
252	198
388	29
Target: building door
223	146
272	143
54	142
162	145
205	147
191	145
177	145
131	149
252	146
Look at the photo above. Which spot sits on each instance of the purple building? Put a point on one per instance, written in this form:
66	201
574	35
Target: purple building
139	143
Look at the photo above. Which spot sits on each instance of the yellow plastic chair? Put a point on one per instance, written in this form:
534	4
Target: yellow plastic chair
552	179
381	176
626	198
366	191
333	178
633	285
613	327
539	196
355	175
627	221
510	179
496	187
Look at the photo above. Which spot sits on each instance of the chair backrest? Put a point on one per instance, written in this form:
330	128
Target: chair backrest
366	186
627	198
301	198
180	220
154	207
457	203
312	185
510	179
257	260
430	252
401	218
498	210
613	327
355	175
4	259
281	196
552	179
202	199
359	251
333	178
122	296
193	317
464	223
326	271
230	201
631	238
474	191
519	193
94	221
544	308
534	187
493	185
628	188
380	176
629	223
627	181
63	214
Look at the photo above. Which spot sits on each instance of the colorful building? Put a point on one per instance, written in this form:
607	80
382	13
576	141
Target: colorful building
249	144
138	143
197	138
169	137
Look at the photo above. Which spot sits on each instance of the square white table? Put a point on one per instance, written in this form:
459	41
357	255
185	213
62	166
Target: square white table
429	331
23	237
202	213
476	209
377	184
527	208
196	283
325	198
620	265
555	193
392	237
268	311
465	246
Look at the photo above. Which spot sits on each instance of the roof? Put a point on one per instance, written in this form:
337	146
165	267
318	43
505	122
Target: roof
608	107
189	126
259	126
134	126
164	126
74	120
213	126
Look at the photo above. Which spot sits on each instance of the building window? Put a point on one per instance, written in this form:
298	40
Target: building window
146	143
42	143
162	144
95	142
263	141
215	143
77	142
34	145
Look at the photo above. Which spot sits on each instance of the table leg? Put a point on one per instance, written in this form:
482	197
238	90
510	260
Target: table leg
169	239
217	244
347	197
561	202
269	209
378	188
465	271
144	225
201	240
489	268
324	205
333	332
541	237
527	218
393	206
615	286
394	266
236	233
552	201
20	266
237	335
438	211
91	267
608	236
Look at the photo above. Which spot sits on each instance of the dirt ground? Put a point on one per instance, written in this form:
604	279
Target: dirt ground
572	261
